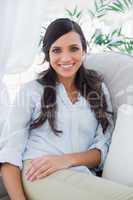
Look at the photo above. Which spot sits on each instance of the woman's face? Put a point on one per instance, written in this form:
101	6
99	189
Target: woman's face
66	55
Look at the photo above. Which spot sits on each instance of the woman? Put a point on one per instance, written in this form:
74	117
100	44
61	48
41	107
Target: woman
60	123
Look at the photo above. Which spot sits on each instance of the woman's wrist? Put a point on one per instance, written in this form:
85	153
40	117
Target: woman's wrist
72	159
17	197
23	198
89	158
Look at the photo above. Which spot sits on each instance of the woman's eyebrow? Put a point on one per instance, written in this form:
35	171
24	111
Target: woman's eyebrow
71	45
74	45
54	47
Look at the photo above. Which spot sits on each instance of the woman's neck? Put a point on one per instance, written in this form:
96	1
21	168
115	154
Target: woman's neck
70	88
68	84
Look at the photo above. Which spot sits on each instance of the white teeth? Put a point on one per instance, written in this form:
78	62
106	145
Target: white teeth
66	66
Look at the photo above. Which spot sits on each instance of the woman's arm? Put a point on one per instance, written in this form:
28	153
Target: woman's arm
12	180
90	158
13	139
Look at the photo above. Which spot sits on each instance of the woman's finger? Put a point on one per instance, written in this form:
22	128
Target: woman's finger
39	172
46	173
33	166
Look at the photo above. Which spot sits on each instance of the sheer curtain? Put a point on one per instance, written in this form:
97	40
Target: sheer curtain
20	25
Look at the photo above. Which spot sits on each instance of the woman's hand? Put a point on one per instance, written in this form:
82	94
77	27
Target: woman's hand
46	165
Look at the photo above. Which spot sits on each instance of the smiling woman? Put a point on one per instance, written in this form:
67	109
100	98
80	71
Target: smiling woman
66	55
48	143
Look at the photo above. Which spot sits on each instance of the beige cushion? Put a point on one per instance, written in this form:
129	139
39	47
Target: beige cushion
117	70
119	163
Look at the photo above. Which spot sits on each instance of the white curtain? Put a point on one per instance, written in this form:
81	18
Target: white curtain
20	25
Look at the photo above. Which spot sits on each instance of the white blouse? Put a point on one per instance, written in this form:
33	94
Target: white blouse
79	126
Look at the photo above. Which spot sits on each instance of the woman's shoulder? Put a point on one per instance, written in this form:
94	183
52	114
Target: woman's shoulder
32	85
31	89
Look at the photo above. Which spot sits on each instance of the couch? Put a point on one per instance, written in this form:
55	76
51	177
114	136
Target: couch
117	70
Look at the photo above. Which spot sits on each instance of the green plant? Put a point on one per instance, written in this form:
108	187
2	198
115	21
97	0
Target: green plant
100	9
121	5
75	14
114	39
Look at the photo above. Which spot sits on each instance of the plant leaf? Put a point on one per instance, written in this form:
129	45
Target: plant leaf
69	12
101	15
91	13
131	2
119	4
126	3
79	14
119	31
75	10
96	5
113	33
114	8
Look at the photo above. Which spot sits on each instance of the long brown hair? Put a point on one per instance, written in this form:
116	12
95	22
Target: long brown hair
88	82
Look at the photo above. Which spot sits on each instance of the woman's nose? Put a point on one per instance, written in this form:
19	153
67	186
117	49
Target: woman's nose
65	57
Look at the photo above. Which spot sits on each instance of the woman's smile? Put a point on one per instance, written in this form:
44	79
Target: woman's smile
66	66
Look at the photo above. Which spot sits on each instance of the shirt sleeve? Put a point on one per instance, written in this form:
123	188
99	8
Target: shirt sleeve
4	103
15	131
103	140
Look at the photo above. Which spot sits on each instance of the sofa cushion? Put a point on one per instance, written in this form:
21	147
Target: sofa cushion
119	163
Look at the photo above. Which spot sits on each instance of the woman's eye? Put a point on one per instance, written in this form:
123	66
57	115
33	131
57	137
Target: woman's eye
74	49
56	50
